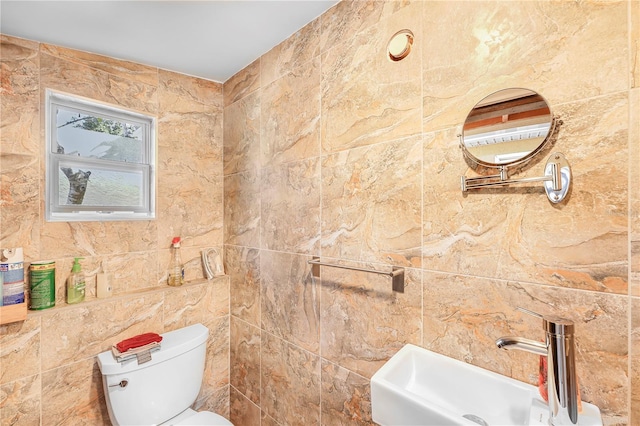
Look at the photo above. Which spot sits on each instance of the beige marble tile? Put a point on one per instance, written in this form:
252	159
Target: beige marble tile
299	48
580	243
181	94
19	350
243	411
290	299
20	198
20	402
245	360
102	324
125	272
22	42
73	395
463	316
266	420
193	303
634	13
371	203
71	239
242	135
191	89
634	277
216	401
217	366
123	69
190	205
20	100
290	116
189	200
593	252
366	98
346	397
634	189
346	19
290	207
634	356
460	232
355	338
473	48
242	209
242	83
243	267
81	80
290	383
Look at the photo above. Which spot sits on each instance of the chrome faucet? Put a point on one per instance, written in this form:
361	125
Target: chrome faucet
561	366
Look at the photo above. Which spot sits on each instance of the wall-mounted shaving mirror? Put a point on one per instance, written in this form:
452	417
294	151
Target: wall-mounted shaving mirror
508	128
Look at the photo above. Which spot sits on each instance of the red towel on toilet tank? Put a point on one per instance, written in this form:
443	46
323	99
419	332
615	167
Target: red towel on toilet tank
137	341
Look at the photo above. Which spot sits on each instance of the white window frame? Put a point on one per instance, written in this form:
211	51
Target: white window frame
56	212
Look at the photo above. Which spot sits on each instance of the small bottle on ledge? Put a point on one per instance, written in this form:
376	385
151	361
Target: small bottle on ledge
176	271
76	283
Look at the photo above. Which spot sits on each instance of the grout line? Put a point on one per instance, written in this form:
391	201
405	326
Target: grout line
422	218
259	178
631	189
629	215
317	287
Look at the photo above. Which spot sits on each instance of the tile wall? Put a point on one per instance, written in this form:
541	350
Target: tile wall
330	149
48	372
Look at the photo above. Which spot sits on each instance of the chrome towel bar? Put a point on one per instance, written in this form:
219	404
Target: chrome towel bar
396	274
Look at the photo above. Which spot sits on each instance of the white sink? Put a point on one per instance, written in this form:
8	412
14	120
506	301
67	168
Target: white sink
420	387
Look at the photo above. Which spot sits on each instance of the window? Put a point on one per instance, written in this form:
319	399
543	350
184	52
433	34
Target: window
100	161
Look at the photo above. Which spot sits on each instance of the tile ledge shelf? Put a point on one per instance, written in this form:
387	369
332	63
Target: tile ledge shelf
96	301
13	313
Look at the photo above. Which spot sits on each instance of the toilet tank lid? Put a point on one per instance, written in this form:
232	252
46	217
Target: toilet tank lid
173	344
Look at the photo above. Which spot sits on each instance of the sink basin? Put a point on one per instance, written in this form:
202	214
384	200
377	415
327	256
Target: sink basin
420	387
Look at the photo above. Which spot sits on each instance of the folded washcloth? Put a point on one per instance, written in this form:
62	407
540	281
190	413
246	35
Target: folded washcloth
141	353
137	341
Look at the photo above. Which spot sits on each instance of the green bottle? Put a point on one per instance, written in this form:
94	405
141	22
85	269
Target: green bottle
76	283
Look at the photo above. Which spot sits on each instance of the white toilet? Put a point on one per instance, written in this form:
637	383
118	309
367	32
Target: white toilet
159	391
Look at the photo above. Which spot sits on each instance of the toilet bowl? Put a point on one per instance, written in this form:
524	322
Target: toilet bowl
162	390
190	417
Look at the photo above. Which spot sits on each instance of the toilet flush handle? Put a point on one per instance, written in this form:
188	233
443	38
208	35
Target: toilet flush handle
122	384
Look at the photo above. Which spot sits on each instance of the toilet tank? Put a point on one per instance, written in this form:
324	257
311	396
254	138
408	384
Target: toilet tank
161	388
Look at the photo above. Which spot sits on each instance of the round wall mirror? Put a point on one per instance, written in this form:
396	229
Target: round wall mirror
507	127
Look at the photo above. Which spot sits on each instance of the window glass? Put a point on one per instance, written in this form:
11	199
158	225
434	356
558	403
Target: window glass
92	136
100	161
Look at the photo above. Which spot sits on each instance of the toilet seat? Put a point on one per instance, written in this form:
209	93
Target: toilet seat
190	417
205	418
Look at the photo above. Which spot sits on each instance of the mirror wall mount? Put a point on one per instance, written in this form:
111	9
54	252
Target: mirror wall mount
505	131
556	179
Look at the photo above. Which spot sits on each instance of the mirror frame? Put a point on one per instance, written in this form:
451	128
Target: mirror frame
475	162
557	171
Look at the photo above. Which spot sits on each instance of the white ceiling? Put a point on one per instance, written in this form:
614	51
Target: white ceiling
210	39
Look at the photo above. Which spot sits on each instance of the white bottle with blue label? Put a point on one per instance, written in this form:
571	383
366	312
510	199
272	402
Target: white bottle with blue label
12	269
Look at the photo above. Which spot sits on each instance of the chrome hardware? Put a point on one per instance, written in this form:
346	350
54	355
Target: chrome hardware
507	130
559	349
123	384
396	274
557	179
